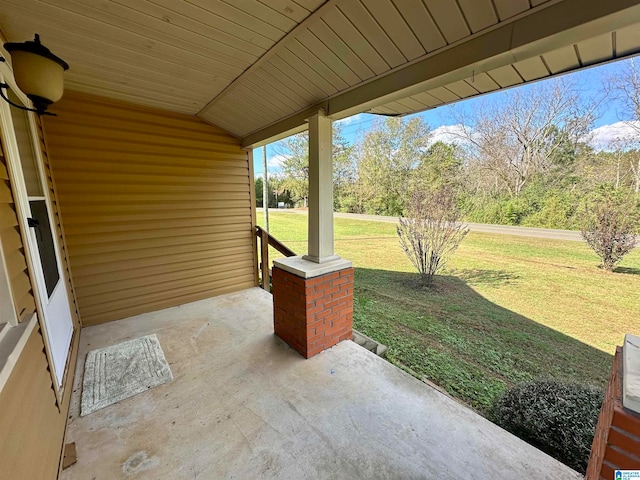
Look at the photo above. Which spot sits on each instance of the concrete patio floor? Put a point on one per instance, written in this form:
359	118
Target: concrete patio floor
244	405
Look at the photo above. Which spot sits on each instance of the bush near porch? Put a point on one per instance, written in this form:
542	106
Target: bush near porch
510	309
558	418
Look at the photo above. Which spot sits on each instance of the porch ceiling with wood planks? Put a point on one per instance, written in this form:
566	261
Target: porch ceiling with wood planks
260	68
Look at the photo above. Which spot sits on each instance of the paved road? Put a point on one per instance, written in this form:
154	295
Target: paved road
476	227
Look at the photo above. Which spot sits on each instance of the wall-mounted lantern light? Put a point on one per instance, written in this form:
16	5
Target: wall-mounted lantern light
38	73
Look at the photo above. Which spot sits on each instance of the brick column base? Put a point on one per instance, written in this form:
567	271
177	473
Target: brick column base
616	445
313	314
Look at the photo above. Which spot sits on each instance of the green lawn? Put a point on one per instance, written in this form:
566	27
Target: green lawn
508	309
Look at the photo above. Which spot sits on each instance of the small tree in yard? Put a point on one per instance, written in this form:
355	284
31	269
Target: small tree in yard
609	229
431	231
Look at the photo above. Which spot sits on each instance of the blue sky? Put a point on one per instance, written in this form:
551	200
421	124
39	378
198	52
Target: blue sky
589	81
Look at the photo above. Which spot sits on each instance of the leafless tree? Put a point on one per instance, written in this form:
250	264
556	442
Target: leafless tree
517	137
626	157
431	230
620	146
625	85
634	166
609	230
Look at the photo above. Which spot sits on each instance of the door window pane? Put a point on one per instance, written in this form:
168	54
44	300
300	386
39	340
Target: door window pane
45	244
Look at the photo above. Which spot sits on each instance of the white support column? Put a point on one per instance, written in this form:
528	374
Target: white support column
320	247
302	319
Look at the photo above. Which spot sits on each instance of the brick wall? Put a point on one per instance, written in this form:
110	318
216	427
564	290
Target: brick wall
313	314
616	445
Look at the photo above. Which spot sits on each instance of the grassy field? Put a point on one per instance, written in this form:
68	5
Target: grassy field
508	309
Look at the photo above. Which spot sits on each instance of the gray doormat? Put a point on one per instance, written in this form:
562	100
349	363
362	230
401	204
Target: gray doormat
120	371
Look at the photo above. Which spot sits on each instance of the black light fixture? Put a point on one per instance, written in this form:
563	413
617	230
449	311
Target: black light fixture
38	74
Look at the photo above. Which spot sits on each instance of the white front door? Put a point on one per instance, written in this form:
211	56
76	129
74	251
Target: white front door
44	248
53	292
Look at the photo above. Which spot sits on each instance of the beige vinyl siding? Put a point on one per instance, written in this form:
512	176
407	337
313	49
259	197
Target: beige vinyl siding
13	249
156	206
32	426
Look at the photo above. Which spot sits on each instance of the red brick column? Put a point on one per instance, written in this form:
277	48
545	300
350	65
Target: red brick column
616	445
313	314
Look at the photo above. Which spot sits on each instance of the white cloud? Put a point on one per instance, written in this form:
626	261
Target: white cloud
448	134
601	138
352	119
275	161
604	137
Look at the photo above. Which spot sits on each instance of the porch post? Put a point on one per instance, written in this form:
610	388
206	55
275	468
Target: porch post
320	224
313	294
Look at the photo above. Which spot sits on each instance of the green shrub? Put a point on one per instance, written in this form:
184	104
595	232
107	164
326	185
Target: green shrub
558	210
513	211
558	418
